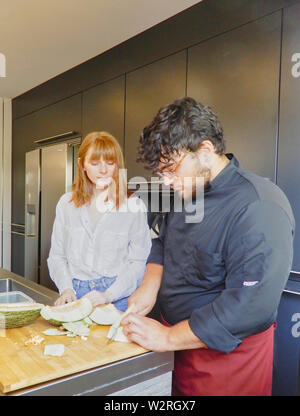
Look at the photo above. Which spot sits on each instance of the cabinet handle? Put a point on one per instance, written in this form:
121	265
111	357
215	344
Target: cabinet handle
18	225
57	136
17	233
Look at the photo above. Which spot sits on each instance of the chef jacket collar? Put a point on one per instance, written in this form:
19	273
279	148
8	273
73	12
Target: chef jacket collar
225	175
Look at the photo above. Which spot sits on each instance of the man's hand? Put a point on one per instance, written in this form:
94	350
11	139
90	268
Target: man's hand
145	296
146	332
67	296
96	297
154	336
144	300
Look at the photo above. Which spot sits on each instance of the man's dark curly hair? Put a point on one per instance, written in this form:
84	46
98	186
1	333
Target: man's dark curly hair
182	125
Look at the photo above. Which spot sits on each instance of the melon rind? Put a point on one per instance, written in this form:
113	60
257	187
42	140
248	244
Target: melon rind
54	322
70	312
16	315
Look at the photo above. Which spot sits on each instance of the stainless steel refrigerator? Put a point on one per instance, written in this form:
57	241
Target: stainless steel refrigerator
49	173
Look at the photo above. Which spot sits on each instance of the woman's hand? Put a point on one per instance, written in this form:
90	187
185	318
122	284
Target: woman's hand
67	296
96	297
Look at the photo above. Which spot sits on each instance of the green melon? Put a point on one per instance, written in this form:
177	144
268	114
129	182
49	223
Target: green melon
15	315
70	312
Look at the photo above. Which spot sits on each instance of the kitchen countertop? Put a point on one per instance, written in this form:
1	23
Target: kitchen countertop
149	371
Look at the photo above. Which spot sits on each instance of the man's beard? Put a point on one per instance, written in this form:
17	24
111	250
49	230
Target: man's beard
193	185
201	178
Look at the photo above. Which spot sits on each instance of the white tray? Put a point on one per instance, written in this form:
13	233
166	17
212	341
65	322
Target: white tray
14	297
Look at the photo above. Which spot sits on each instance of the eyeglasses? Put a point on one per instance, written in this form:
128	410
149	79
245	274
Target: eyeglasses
171	173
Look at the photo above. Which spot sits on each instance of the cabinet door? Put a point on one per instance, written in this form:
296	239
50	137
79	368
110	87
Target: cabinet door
17	253
237	75
289	127
103	109
58	118
148	89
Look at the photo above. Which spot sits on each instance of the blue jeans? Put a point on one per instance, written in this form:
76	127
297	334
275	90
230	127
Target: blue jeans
82	287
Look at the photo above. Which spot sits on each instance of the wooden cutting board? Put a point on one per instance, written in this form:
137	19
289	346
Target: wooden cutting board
23	364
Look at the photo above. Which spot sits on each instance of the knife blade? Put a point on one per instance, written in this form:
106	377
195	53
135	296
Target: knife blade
117	323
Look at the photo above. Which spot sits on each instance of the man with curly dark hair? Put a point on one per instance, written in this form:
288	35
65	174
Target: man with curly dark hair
218	280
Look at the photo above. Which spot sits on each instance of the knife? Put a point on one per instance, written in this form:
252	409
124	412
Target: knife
117	323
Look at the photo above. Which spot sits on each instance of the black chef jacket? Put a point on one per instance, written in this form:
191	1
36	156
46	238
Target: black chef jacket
226	273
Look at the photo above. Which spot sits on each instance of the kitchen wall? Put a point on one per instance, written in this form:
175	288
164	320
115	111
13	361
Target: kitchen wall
234	55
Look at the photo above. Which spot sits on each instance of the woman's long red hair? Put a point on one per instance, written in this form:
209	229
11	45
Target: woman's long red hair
104	145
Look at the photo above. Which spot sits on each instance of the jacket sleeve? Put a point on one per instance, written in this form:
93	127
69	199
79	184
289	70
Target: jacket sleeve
132	273
257	261
157	250
57	260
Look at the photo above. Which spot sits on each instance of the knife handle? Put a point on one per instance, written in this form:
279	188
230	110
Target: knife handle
117	323
128	311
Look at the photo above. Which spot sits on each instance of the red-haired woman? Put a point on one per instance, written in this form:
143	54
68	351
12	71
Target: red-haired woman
101	239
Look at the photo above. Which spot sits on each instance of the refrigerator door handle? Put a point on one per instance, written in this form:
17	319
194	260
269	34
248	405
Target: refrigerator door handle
30	223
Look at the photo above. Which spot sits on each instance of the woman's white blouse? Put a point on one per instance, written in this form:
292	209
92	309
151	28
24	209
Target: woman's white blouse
119	246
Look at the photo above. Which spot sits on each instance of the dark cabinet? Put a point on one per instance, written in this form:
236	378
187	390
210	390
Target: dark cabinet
237	75
103	109
59	118
289	126
147	89
17	252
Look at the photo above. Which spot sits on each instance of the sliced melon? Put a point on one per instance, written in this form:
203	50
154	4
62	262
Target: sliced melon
70	312
119	336
87	321
56	350
54	332
15	315
105	315
77	328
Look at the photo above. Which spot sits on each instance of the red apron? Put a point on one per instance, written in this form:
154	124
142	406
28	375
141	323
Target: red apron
246	371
